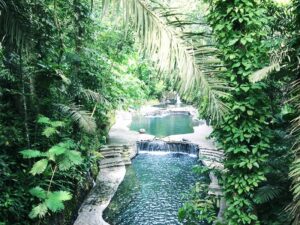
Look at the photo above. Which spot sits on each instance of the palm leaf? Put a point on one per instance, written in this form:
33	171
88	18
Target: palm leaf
264	72
294	207
13	22
91	95
173	53
267	193
82	117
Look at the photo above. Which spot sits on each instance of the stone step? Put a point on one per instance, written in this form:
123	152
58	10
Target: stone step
115	155
211	152
110	149
112	165
111	160
111	154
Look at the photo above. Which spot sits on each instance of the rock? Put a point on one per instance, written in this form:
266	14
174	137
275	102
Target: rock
142	131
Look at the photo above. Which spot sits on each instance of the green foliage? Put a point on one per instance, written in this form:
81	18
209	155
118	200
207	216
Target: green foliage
267	193
244	133
60	60
201	206
39	167
52	201
60	156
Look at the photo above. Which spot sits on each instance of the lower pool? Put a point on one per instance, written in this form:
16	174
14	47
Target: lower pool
154	188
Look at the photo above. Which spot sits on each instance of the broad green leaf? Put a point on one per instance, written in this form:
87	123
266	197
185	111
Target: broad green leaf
54	204
250	112
29	153
64	164
49	131
57	124
55	200
44	120
38	192
57	150
38	211
39	167
61	195
75	157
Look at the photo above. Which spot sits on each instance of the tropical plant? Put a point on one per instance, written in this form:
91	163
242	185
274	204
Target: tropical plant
192	65
244	134
59	157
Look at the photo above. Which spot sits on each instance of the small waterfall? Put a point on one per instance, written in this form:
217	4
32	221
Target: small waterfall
168	146
178	101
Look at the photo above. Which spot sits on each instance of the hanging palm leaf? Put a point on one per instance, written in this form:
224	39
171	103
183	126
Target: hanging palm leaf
294	174
192	64
13	22
264	72
82	117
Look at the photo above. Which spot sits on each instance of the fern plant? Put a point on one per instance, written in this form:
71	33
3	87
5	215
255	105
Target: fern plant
59	157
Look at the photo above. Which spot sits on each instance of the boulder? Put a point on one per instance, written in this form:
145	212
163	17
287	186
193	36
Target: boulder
142	131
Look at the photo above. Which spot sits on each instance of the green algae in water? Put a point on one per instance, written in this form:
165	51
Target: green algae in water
154	188
163	126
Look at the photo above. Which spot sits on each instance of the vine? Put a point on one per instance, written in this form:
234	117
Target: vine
240	28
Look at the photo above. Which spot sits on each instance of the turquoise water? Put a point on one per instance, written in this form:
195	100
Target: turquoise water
163	126
154	188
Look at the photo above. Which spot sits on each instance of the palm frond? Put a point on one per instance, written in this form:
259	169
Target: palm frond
13	23
174	55
264	72
82	117
267	193
91	95
294	207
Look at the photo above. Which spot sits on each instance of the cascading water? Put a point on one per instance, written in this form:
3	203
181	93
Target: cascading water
178	101
160	145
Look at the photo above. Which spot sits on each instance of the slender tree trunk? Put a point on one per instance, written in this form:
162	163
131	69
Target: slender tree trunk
25	107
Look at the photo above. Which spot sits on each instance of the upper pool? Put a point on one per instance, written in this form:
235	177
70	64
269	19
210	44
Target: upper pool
162	126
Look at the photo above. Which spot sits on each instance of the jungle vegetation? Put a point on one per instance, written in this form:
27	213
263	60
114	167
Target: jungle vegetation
67	65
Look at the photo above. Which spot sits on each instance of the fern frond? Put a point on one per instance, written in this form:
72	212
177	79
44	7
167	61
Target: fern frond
61	195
